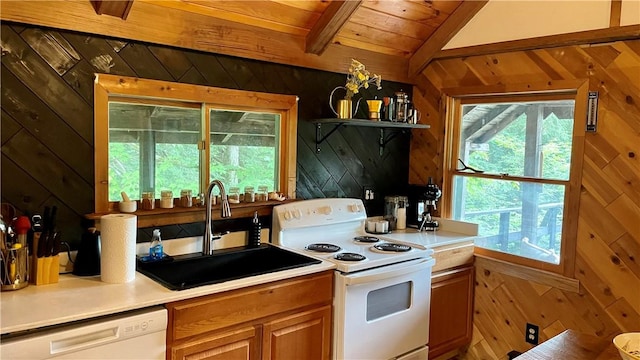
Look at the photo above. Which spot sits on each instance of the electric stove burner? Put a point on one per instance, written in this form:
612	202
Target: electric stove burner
366	239
325	248
392	247
347	256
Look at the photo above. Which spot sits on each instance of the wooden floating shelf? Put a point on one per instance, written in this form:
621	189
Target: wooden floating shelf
179	215
363	123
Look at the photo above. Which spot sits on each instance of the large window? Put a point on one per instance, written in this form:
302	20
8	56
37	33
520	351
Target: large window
510	170
152	136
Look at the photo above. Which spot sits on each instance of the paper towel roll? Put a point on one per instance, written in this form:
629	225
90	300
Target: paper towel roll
118	248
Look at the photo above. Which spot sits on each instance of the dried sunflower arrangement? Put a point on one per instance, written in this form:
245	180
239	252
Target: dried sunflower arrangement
359	77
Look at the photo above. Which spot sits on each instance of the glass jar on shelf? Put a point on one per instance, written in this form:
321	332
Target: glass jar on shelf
166	199
263	193
249	194
186	201
147	200
234	195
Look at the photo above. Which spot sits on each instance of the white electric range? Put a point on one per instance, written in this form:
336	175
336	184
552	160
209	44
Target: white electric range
382	287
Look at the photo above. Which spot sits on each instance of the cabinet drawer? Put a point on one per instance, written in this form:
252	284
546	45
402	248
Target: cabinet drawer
213	312
451	256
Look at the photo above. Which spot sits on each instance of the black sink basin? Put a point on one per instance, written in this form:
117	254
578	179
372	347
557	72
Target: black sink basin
187	272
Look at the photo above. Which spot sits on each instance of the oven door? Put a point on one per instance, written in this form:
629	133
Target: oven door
382	313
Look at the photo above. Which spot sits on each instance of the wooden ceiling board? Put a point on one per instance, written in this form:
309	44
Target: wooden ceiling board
375	36
415	11
148	22
278	13
391	23
356	44
179	5
317	6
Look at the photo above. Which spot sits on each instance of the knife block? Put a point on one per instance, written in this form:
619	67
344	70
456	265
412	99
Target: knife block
44	270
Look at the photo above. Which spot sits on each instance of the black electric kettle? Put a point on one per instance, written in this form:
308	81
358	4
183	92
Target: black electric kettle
87	261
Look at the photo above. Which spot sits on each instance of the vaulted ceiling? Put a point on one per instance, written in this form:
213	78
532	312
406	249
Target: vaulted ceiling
394	38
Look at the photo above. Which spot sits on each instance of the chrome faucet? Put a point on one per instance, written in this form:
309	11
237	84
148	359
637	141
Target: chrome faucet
226	212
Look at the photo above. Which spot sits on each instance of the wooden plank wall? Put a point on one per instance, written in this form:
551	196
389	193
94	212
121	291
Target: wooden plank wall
608	244
47	120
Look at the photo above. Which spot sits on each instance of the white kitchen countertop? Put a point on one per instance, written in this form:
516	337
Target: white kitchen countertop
77	298
450	232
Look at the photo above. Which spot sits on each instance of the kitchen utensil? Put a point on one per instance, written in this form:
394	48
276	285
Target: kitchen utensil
128	206
87	261
401	106
374	109
22	226
388	109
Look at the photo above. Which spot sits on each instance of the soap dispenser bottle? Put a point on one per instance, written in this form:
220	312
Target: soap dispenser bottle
254	231
156	252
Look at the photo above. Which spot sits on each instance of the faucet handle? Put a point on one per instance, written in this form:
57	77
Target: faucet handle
219	235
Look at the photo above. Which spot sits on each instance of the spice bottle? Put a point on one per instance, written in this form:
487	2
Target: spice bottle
148	201
186	200
234	195
263	193
166	199
254	231
249	194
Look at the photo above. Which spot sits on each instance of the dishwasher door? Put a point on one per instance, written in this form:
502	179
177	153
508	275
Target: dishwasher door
138	334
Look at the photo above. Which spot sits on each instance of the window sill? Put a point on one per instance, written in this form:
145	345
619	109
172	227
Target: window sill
178	215
527	273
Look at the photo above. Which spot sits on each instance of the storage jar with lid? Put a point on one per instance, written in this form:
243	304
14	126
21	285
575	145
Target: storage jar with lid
263	193
234	195
186	200
148	201
166	199
249	194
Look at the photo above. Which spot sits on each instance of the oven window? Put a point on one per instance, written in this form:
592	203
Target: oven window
388	300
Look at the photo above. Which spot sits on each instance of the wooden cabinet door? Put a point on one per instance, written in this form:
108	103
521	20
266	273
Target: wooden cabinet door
305	335
241	344
451	319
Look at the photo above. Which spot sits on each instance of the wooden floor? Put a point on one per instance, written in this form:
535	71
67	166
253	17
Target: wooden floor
608	240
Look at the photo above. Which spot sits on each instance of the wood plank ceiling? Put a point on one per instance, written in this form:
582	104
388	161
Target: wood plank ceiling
392	38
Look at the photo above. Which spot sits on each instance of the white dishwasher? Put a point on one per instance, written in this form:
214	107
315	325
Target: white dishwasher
139	334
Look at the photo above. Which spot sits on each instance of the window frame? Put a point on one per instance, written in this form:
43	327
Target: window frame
109	87
454	98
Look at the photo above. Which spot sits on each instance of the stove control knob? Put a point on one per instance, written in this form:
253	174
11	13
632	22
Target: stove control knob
326	210
297	213
353	208
287	215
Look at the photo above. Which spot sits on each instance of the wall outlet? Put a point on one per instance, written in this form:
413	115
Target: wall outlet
368	193
531	334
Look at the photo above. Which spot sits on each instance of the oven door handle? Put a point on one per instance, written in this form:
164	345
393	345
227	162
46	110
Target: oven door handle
388	272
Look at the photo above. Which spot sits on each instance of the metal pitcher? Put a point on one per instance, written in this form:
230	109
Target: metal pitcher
344	106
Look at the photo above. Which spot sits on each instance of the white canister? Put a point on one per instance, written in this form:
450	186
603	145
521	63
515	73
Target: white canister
166	199
371	226
382	226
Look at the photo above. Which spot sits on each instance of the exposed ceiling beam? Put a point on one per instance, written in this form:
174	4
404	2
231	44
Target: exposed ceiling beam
616	13
117	8
445	32
330	22
577	38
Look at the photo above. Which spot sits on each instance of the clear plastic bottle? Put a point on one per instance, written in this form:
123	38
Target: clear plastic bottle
156	252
